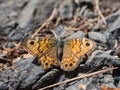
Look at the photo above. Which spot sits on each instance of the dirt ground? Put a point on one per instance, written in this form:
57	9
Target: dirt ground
24	20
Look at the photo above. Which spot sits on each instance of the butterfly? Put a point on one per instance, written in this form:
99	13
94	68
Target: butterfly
47	50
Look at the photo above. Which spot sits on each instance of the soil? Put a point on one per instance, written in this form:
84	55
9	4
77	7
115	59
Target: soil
98	20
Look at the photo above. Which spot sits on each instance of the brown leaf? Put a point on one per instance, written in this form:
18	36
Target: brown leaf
82	86
108	88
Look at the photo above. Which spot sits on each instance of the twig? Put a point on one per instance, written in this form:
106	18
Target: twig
116	44
47	22
76	29
79	77
99	12
58	21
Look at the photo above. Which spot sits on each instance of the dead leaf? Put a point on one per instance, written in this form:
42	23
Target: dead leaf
82	86
108	88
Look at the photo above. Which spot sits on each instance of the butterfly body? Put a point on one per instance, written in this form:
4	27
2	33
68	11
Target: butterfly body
47	50
60	43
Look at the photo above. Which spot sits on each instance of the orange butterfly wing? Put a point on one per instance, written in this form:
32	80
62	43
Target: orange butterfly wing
73	50
45	49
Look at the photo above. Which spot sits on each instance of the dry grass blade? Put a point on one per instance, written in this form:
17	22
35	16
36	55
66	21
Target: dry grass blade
99	12
79	77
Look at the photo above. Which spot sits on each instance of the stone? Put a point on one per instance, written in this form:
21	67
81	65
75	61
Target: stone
66	9
97	36
46	79
78	34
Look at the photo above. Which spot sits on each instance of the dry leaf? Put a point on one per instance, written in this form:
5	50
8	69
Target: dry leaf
108	88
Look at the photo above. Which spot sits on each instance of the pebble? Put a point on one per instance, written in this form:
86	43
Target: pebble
46	79
25	74
97	36
66	9
118	85
108	78
10	45
13	14
113	21
15	36
3	86
58	31
99	58
12	24
27	13
78	34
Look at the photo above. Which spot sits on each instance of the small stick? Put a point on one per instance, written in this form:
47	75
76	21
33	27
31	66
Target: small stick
99	12
79	77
